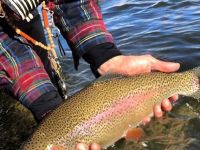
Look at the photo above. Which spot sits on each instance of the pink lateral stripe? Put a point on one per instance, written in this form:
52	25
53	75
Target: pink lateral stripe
118	108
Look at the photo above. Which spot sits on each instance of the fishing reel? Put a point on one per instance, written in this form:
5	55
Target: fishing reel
61	85
58	74
20	9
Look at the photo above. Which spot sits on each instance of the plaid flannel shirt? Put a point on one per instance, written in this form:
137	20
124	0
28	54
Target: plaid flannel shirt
80	22
82	25
21	71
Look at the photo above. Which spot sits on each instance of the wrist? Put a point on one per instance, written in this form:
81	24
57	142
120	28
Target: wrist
99	54
108	66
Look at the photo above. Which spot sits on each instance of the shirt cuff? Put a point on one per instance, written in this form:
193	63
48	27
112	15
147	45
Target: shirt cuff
99	54
45	104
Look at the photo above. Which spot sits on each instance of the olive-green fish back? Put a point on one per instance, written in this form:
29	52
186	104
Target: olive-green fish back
105	109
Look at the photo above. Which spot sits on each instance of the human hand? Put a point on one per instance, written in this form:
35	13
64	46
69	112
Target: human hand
131	65
93	146
79	146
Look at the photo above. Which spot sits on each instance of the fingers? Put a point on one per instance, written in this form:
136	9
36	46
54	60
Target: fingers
158	109
130	65
173	98
146	120
166	105
93	146
164	66
81	146
158	113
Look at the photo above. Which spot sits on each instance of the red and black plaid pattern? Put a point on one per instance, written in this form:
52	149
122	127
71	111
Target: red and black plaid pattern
21	71
81	23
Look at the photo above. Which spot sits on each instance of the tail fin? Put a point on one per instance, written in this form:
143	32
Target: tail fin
196	71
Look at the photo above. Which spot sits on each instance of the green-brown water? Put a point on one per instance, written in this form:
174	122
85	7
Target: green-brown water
167	29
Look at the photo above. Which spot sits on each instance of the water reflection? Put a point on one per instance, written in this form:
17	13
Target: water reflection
167	29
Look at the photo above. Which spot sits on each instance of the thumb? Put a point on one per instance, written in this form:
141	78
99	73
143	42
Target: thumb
165	66
81	146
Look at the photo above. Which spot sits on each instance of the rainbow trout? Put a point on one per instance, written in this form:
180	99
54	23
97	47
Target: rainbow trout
103	111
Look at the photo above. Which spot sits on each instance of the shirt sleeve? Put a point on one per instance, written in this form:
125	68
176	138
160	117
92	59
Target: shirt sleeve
82	25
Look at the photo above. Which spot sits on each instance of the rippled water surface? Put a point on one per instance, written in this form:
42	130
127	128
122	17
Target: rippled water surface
168	30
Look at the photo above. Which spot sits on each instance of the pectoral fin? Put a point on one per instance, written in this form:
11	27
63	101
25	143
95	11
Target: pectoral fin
134	134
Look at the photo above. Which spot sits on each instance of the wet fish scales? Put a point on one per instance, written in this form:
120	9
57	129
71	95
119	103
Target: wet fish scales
104	110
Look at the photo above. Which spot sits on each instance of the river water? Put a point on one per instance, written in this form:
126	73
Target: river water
168	30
